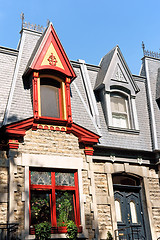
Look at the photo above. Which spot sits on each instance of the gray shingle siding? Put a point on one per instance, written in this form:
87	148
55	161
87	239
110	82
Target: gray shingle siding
21	107
7	65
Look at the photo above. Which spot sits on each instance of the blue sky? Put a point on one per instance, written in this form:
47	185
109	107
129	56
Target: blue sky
88	29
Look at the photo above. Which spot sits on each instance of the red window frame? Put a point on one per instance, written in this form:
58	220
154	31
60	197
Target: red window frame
53	189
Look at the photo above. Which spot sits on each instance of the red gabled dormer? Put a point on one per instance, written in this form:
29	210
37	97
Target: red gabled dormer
51	74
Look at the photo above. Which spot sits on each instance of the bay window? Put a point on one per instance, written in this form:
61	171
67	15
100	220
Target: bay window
54	198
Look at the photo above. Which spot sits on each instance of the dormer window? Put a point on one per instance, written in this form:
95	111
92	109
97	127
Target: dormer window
50	98
119	110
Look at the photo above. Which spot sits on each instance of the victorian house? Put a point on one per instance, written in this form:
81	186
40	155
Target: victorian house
78	142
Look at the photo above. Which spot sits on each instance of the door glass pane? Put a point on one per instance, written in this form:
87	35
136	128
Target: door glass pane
40	178
133	212
64	207
64	179
49	101
118	211
40	207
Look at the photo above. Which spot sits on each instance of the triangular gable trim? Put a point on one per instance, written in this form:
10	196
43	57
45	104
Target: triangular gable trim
118	59
118	74
51	55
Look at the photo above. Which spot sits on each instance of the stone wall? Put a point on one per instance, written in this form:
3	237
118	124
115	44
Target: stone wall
19	210
154	191
51	142
3	187
102	194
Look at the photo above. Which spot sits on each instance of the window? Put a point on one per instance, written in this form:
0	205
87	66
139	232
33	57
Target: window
118	211
50	98
54	198
120	111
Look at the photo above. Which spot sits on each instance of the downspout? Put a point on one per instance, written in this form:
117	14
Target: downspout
152	116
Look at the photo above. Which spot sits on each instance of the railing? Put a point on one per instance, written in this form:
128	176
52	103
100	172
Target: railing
129	233
8	231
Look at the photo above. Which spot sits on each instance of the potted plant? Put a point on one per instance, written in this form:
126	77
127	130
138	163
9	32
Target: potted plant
72	230
43	231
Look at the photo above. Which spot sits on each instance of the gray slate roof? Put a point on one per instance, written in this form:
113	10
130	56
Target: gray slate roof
104	64
16	105
8	58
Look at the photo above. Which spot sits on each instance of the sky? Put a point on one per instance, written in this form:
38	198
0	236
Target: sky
88	29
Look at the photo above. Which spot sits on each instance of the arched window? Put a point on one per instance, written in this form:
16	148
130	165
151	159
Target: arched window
50	93
120	110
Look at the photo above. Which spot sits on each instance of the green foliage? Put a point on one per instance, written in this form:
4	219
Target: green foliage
40	210
43	231
109	236
64	207
72	230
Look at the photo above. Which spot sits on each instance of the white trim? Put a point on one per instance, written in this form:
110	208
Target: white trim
87	109
89	91
152	116
135	117
108	108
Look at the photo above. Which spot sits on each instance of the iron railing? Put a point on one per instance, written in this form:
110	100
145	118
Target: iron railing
8	231
129	233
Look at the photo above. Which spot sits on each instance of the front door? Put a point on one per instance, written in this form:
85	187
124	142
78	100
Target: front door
129	213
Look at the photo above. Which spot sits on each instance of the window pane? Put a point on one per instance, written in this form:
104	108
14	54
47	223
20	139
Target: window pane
118	211
122	105
133	212
119	120
114	104
49	101
40	207
64	207
40	178
64	179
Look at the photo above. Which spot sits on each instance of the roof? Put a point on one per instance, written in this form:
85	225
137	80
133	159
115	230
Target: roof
104	64
16	96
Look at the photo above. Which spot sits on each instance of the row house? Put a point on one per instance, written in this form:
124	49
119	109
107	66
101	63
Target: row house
78	142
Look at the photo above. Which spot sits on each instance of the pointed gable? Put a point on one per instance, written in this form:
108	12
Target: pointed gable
114	71
49	54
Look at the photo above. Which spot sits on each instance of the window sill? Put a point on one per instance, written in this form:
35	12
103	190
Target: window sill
56	230
123	130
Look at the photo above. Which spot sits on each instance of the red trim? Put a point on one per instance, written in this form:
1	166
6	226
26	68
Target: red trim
78	221
51	37
54	223
83	134
88	150
29	198
13	144
68	102
17	130
35	96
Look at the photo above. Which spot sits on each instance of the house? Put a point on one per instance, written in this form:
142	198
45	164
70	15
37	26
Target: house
78	141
